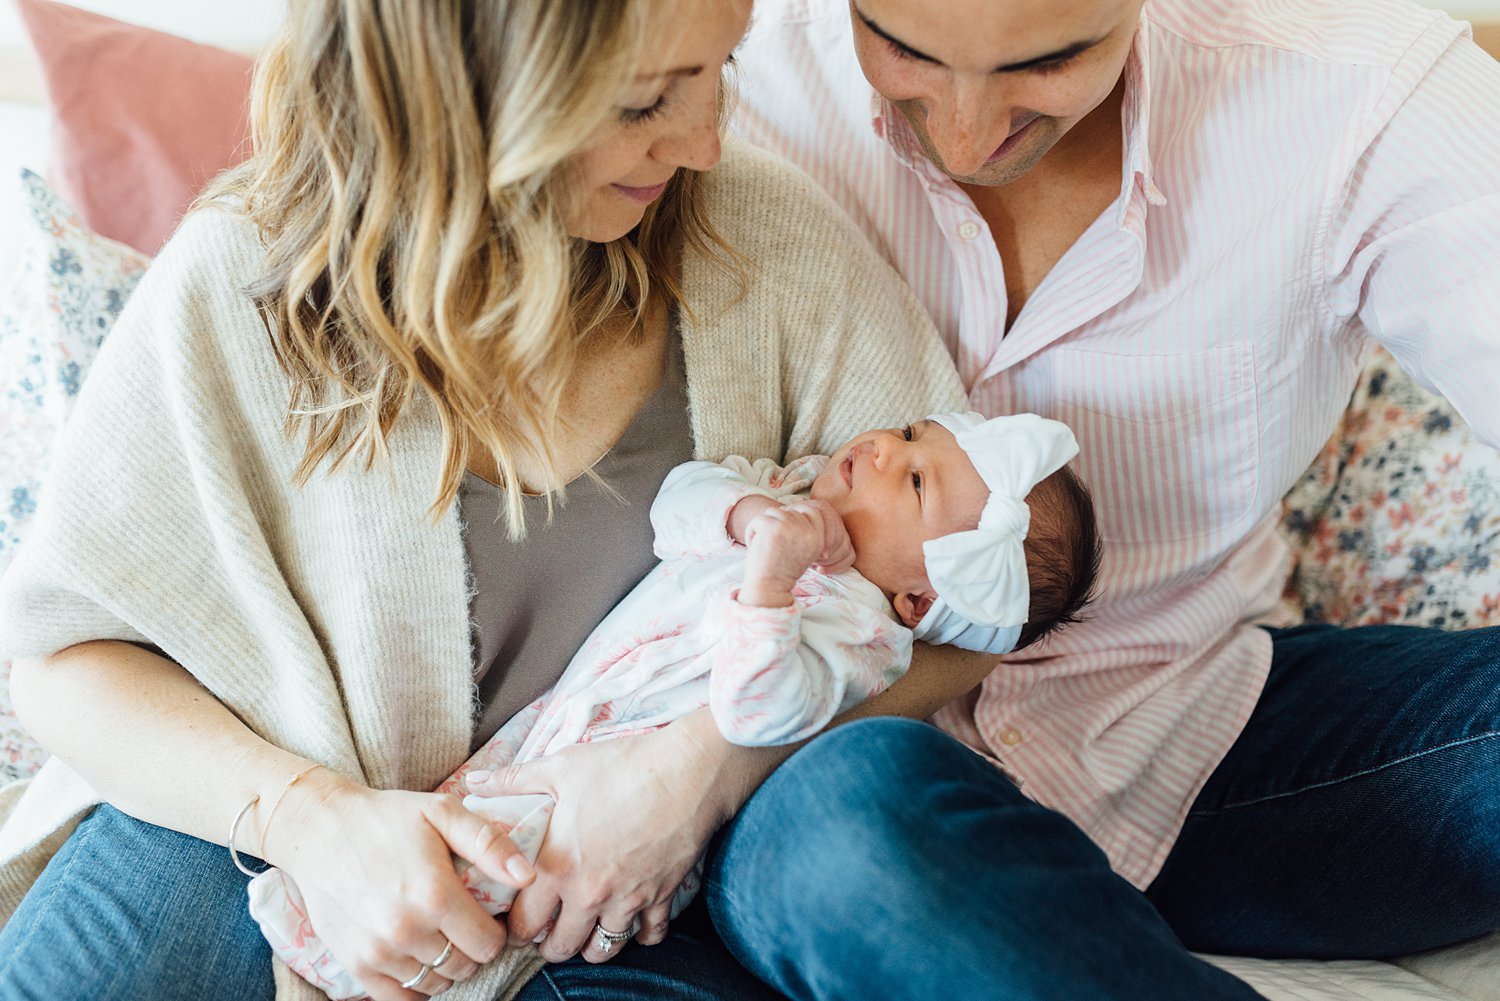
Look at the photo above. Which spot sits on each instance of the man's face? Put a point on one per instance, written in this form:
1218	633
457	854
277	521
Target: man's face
989	86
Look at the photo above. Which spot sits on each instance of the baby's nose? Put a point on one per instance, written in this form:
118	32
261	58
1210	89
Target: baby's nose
884	449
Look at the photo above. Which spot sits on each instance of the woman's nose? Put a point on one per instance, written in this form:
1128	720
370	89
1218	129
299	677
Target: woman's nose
696	145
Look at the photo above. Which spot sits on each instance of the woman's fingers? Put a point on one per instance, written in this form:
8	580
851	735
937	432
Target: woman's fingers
388	987
618	928
450	961
654	921
570	934
532	912
513	780
428	984
481	841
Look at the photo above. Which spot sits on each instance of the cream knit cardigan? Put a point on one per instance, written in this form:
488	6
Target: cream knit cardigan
333	619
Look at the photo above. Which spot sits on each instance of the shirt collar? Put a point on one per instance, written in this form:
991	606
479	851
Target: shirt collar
889	125
1136	116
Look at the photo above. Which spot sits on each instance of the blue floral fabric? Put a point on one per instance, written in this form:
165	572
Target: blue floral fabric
1398	520
69	287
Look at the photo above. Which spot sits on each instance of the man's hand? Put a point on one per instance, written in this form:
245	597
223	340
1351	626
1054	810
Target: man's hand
784	541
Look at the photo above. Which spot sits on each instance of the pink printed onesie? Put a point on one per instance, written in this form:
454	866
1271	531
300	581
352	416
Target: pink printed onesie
678	642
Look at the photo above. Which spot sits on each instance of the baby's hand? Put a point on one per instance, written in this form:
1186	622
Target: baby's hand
744	512
787	539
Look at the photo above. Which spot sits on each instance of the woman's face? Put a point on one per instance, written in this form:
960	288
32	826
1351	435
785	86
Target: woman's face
989	86
668	120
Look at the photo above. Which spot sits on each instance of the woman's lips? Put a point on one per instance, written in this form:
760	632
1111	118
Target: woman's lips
1012	140
643	195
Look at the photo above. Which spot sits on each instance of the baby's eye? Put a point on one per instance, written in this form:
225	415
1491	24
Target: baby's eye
916	481
906	432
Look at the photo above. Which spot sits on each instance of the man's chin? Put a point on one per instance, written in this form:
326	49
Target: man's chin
1013	166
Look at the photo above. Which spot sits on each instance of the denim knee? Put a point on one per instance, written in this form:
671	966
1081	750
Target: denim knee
886	859
134	912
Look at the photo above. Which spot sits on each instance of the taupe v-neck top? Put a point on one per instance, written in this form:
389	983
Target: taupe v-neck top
537	600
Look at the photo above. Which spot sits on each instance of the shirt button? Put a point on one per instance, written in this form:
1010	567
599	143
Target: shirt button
1010	738
968	230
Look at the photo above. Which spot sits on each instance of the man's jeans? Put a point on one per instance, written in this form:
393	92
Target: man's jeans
1358	815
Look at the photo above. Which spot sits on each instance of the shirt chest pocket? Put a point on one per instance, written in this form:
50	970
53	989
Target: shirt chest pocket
1169	442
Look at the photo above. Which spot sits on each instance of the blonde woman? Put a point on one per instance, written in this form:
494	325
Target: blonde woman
308	532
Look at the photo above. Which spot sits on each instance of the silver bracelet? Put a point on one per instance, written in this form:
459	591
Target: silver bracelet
234	826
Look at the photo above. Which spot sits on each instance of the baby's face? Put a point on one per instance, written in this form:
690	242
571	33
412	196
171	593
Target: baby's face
895	489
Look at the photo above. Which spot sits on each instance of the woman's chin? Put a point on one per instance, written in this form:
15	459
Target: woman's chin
606	227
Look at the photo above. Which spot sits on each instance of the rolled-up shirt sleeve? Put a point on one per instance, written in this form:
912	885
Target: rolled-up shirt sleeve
1413	248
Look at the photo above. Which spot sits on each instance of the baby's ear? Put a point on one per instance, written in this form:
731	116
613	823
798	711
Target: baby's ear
913	606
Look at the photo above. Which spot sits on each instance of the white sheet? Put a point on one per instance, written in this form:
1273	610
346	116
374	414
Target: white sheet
1467	972
1305	980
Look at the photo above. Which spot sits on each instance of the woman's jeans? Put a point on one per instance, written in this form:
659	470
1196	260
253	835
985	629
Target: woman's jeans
1358	815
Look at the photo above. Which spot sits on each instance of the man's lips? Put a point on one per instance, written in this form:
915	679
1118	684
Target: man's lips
1012	140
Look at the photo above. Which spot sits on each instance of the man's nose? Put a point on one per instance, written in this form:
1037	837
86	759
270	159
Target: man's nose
966	126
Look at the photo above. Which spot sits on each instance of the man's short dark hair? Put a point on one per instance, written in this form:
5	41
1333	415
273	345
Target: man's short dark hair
1063	553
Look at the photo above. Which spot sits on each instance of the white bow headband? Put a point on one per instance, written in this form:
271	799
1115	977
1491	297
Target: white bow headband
983	592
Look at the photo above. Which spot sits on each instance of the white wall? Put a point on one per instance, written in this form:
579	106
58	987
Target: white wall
1472	10
235	24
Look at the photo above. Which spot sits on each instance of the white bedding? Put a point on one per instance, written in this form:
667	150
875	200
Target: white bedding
1468	972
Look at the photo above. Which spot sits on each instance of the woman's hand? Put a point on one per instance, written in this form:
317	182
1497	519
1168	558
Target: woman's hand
632	817
376	874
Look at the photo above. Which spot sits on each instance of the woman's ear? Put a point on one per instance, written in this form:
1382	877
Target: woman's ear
913	606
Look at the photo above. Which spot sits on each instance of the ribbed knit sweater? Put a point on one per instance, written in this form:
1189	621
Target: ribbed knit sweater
333	618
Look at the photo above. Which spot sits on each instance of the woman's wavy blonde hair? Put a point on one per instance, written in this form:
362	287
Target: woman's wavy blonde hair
409	178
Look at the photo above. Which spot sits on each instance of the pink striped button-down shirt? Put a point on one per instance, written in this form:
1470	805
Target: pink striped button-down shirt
1297	177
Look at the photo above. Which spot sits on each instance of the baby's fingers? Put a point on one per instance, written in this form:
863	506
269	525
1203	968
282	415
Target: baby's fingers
838	550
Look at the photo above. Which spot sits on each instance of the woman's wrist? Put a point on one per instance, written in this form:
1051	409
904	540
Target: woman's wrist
291	814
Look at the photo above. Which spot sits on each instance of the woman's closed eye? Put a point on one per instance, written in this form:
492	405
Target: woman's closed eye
631	116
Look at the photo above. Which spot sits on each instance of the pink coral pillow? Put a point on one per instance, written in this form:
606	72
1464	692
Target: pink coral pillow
141	119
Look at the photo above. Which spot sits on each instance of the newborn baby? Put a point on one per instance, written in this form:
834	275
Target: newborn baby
786	595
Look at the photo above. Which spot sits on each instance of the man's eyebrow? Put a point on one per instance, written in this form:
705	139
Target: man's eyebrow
1065	52
898	43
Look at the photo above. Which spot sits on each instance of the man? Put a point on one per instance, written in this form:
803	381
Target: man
1176	229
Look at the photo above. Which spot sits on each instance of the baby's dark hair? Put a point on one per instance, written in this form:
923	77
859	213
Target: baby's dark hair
1063	553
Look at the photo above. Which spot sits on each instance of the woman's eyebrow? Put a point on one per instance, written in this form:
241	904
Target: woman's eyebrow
1025	64
670	74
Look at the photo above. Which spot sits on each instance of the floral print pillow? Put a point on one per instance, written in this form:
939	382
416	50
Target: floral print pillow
68	289
1398	520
